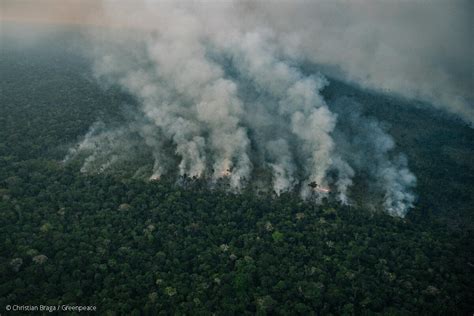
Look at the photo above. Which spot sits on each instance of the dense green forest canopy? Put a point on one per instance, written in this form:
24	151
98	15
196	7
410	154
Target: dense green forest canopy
127	245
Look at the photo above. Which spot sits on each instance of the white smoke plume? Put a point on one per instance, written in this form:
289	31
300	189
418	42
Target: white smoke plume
365	148
296	97
282	163
100	146
228	95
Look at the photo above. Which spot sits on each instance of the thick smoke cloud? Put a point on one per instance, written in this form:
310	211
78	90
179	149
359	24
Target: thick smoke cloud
418	49
224	98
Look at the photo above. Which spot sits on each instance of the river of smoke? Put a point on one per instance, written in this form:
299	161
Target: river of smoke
232	100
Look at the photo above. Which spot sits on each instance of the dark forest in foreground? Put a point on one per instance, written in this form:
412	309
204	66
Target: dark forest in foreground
127	245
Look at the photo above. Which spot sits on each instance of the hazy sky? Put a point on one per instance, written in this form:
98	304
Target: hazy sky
419	49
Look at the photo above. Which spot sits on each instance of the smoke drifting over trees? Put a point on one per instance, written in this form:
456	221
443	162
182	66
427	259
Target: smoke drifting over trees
229	96
417	49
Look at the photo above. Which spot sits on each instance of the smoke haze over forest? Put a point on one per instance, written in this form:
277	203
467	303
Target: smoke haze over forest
237	157
420	49
224	85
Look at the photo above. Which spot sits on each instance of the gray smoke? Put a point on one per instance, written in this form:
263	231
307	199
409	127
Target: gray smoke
101	146
416	49
365	148
223	97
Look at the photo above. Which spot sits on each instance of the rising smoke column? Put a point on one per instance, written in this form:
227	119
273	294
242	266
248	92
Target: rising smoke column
204	94
297	100
219	103
101	146
368	149
186	95
282	164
